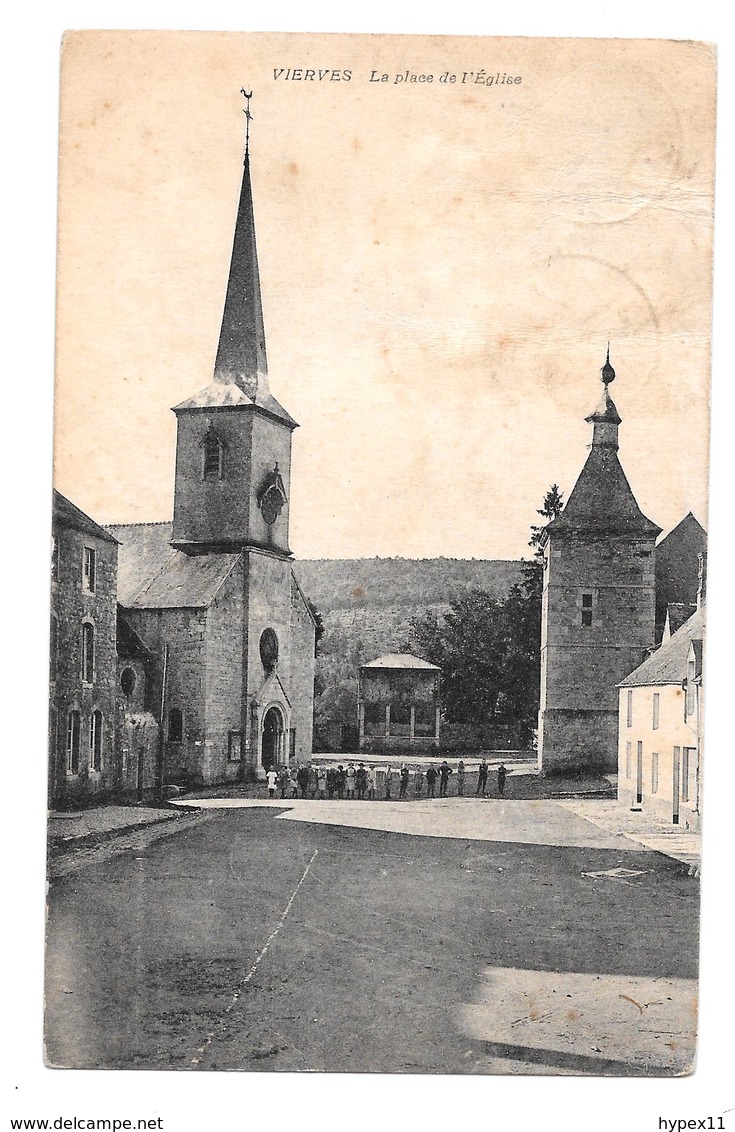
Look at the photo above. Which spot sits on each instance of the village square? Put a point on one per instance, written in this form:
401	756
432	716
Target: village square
275	846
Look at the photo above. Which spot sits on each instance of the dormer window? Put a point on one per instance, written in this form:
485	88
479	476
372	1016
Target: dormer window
213	459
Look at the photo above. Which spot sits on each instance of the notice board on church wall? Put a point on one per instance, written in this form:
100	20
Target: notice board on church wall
442	405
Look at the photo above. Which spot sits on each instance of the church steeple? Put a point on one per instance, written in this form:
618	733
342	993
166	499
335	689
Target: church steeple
233	446
241	354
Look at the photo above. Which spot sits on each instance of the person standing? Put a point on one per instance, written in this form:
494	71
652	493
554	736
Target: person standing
322	781
341	778
284	780
460	778
272	779
350	781
482	778
431	781
502	775
404	781
388	780
444	772
294	782
313	781
331	782
302	777
361	781
372	776
418	781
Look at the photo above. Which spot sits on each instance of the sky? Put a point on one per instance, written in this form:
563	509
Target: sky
442	265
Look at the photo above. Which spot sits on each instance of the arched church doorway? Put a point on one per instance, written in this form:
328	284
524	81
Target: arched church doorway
272	744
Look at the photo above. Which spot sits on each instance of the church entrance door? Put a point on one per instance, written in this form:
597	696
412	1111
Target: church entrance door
272	743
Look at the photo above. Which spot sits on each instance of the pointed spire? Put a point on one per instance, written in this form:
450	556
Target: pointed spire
241	356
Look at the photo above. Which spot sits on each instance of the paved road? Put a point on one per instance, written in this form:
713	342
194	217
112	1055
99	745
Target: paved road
244	941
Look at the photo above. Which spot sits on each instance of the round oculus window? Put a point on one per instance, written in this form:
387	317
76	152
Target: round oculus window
128	681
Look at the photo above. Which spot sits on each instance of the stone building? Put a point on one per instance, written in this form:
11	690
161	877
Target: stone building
212	597
660	729
398	704
83	660
598	610
677	578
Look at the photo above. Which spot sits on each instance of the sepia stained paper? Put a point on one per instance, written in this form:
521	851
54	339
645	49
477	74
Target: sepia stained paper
453	235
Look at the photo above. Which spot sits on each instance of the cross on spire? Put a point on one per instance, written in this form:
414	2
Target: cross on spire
248	117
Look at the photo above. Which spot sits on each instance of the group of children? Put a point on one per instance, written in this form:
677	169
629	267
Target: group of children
370	782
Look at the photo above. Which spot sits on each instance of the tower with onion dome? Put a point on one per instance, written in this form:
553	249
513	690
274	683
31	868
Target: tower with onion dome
599	603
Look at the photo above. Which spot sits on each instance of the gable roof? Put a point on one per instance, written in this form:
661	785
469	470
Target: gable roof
677	612
129	644
400	660
152	575
66	514
668	664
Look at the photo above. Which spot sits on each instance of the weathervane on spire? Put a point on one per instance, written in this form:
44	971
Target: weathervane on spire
607	373
248	118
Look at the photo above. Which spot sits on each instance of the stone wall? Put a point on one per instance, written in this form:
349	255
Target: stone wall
608	580
71	606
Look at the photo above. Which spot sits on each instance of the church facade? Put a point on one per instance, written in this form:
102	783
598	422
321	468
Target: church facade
212	596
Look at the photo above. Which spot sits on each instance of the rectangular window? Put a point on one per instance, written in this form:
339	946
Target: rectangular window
234	753
690	687
586	610
95	741
291	744
685	774
639	774
629	710
90	569
654	772
656	709
628	759
88	652
72	743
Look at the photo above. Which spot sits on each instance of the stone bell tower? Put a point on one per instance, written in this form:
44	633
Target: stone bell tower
598	611
233	447
231	500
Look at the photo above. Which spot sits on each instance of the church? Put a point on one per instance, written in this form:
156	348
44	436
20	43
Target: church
212	596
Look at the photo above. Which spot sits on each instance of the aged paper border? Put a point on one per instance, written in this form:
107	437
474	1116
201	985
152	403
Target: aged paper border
230	1102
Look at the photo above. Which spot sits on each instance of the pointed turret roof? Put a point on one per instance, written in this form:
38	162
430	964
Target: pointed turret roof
241	356
601	499
241	366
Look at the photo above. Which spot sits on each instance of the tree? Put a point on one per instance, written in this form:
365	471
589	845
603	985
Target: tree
490	650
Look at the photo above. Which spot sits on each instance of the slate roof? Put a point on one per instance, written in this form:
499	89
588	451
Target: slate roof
668	664
400	660
601	499
66	514
152	575
222	394
677	612
129	644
